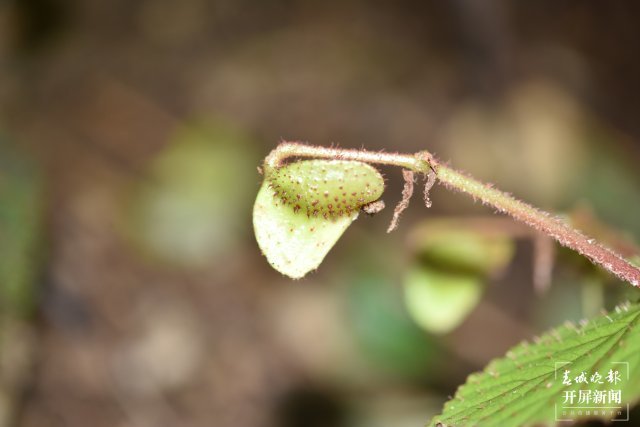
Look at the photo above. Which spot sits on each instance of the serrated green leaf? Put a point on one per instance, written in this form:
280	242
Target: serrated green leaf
293	243
526	387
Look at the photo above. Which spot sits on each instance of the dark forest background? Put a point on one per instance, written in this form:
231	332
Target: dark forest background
132	290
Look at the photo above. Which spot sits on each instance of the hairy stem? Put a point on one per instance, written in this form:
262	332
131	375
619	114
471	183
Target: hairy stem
423	162
542	221
276	158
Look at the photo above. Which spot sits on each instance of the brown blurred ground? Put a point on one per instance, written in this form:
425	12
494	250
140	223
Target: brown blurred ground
528	96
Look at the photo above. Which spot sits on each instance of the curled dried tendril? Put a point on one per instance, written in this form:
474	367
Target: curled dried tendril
373	207
407	192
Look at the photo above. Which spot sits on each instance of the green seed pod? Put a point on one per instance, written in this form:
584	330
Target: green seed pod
303	208
293	243
326	188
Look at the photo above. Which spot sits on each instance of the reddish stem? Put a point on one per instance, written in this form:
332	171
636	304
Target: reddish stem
423	162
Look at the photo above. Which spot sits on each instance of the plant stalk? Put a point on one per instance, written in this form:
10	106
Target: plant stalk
543	222
423	162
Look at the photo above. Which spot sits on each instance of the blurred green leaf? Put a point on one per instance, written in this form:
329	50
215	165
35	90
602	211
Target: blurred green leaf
21	210
193	206
439	301
458	249
612	185
526	387
384	330
447	277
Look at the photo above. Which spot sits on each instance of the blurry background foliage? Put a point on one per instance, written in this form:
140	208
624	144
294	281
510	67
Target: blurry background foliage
193	205
21	214
132	290
445	282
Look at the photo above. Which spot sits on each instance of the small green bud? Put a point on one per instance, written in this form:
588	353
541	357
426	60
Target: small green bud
326	188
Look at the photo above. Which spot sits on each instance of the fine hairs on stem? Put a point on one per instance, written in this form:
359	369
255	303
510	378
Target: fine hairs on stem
424	163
